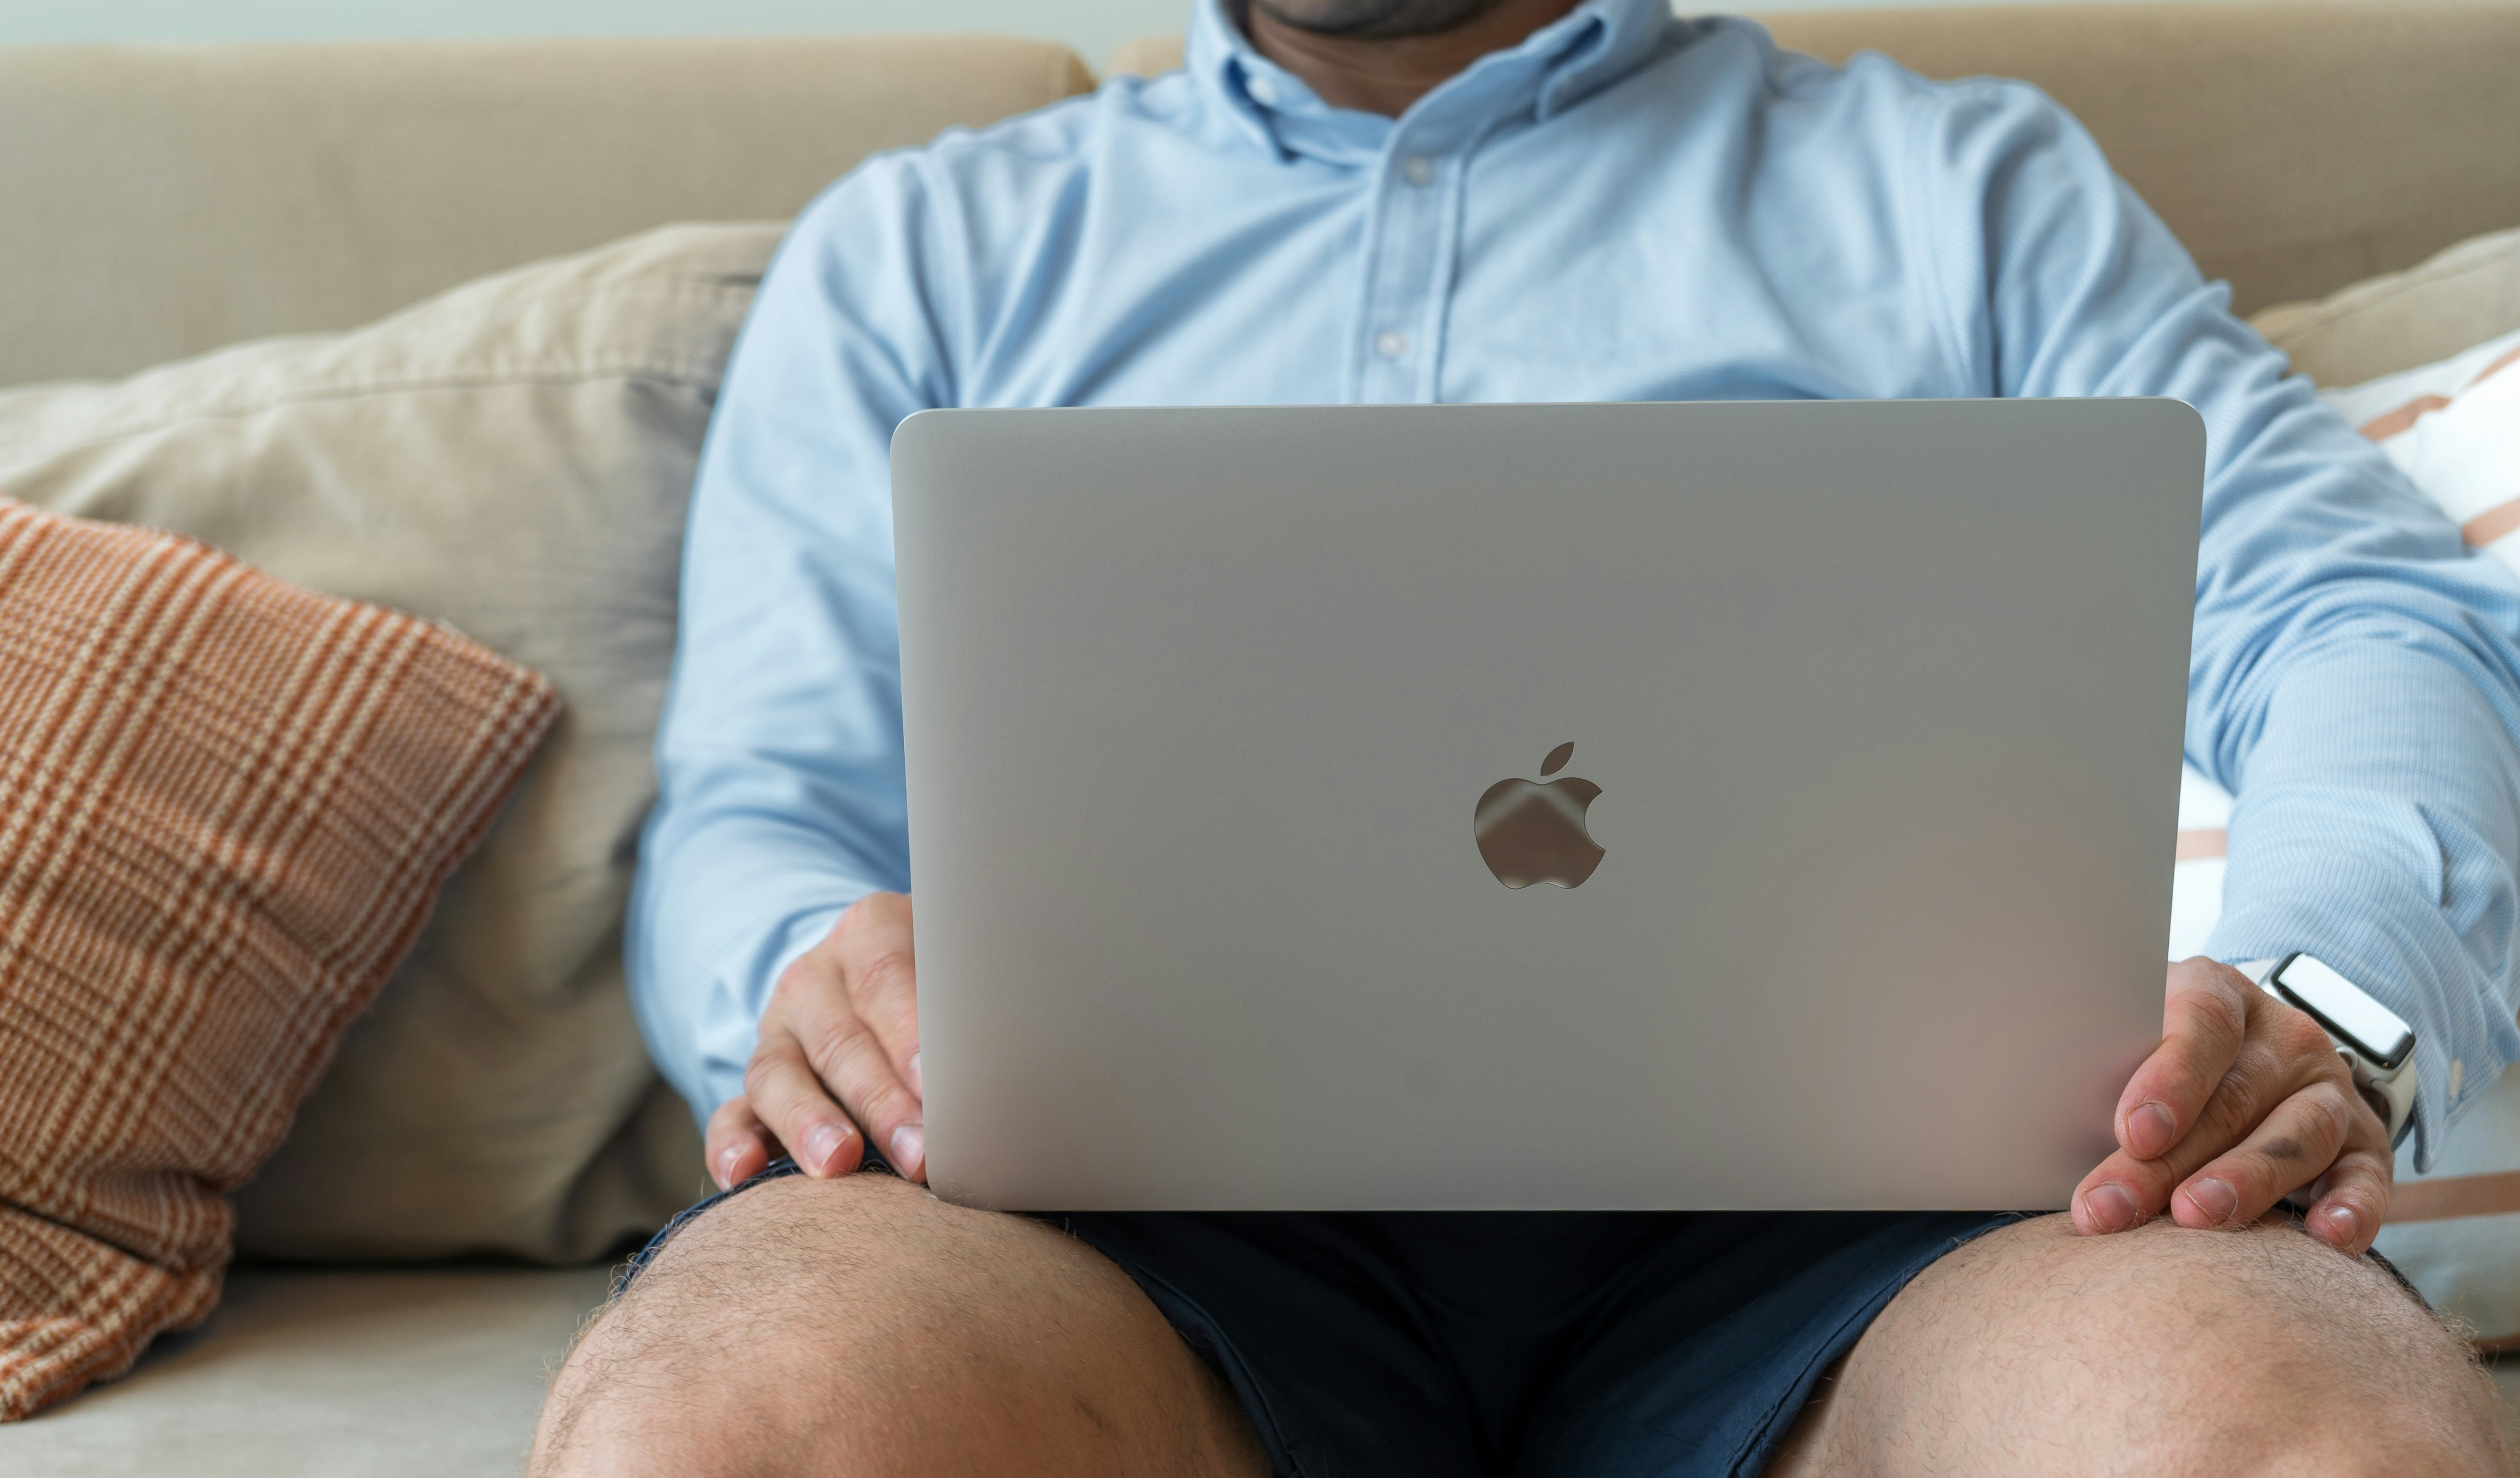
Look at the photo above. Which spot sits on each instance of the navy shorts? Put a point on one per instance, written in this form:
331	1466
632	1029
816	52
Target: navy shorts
1535	1344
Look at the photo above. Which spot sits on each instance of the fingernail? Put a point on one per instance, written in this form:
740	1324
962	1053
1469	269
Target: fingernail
908	1144
2342	1225
914	1076
2216	1198
823	1145
2150	1130
726	1166
2111	1206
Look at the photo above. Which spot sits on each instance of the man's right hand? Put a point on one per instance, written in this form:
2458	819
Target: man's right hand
838	1059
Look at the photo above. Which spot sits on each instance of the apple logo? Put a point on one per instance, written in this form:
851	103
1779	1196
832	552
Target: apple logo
1530	832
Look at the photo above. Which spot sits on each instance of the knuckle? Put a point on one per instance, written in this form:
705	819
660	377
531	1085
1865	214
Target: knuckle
2226	986
885	1106
799	981
2253	1175
2213	1016
831	1045
2228	1114
2231	1014
882	974
2378	1193
2371	1174
2330	1112
896	1024
775	1051
760	1079
2195	972
2365	1122
2296	1035
2184	1054
2226	978
871	911
2246	1083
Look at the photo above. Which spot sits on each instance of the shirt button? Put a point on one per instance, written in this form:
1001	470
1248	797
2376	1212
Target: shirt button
1390	345
1263	91
1419	169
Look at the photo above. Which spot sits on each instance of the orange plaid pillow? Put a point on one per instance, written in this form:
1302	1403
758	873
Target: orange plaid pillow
226	807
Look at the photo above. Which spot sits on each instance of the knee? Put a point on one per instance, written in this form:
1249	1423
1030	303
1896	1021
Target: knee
861	1328
2165	1351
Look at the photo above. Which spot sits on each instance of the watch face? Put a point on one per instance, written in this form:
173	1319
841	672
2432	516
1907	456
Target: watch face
2348	1013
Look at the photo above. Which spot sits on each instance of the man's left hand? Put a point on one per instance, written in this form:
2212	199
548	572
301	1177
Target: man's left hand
2244	1103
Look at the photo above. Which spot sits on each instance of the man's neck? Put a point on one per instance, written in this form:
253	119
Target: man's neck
1385	76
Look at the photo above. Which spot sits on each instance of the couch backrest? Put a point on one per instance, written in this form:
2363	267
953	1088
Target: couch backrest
160	201
163	200
2295	147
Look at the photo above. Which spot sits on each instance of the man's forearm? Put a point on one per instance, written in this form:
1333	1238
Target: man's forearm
717	914
2378	826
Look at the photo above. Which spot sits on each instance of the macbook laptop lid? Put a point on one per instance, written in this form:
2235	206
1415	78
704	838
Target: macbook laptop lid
1615	806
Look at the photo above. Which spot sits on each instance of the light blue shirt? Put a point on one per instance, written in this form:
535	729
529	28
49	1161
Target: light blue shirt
1627	206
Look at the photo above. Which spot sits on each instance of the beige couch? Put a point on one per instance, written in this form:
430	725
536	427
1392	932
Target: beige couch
168	201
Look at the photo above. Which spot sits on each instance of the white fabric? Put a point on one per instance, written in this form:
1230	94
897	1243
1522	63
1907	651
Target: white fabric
2465	455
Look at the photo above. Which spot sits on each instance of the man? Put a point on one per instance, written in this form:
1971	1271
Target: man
1513	200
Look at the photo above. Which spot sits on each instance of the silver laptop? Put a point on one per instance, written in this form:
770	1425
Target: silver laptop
1614	806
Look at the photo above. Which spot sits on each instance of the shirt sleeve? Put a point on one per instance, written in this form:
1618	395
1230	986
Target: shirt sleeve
779	756
2355	678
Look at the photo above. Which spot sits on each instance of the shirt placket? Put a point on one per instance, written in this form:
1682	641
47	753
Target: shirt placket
1402	322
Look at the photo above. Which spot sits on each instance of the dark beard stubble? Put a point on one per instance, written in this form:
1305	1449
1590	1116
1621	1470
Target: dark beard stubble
1373	19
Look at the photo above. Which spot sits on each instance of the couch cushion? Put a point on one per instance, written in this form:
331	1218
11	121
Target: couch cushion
2404	320
2293	148
163	200
226	805
315	1373
421	1374
514	459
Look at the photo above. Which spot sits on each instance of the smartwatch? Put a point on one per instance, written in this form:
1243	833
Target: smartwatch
2375	1042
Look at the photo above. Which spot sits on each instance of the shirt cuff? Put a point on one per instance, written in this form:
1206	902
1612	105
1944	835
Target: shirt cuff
2374	830
735	1025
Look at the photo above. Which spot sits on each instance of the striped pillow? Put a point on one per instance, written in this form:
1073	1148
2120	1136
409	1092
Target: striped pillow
226	805
2454	428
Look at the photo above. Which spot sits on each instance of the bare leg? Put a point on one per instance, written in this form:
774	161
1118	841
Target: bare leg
2161	1352
860	1326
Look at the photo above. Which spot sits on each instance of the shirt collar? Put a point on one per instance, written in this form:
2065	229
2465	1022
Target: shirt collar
1556	66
